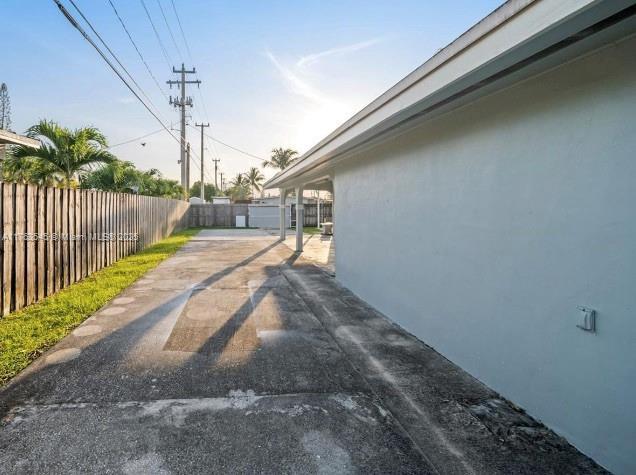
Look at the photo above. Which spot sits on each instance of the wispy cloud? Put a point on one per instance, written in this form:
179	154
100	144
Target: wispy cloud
338	51
293	74
297	84
318	112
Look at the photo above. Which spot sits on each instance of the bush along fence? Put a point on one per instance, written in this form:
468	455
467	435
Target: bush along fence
52	237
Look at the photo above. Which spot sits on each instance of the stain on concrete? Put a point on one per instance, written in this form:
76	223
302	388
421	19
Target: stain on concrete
148	464
62	356
87	330
329	457
113	310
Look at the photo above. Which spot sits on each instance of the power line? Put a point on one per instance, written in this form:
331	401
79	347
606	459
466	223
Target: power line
185	41
163	14
206	115
235	148
137	138
152	23
76	25
182	141
113	54
141	56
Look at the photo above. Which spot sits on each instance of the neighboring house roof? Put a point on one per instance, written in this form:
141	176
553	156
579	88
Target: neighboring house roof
519	39
9	138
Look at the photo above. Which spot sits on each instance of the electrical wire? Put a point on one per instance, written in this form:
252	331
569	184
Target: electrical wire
141	56
113	55
193	155
185	41
206	115
169	30
251	155
137	138
77	26
152	23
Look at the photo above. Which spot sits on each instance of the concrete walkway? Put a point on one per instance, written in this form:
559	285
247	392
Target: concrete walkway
236	356
319	249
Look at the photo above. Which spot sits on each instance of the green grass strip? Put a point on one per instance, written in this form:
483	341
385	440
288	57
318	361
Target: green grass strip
26	334
309	230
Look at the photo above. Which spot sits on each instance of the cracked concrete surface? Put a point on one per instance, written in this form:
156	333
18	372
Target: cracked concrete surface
236	355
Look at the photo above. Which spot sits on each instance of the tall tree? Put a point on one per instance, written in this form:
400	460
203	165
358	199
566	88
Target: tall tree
64	154
239	187
255	178
154	184
209	191
281	158
5	108
123	177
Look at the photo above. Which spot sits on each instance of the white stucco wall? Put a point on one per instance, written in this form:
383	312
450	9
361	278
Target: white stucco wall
494	223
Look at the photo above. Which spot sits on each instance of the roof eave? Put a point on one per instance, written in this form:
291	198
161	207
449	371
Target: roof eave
10	138
502	39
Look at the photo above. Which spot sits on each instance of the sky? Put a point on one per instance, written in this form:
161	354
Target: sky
273	73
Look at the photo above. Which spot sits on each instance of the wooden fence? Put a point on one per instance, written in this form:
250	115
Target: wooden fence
52	237
311	214
209	214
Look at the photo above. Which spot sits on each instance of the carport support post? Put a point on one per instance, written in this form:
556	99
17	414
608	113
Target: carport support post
300	216
283	223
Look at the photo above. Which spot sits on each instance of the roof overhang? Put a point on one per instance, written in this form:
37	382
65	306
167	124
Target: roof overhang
9	138
519	39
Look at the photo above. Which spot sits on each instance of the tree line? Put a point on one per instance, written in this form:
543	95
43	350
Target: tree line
246	185
81	158
75	158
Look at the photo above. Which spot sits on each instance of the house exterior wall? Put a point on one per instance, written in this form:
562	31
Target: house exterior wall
501	218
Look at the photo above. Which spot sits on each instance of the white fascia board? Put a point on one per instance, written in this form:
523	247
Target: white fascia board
511	34
9	138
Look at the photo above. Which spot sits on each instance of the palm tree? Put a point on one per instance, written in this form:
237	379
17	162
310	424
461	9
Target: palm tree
114	176
65	154
255	179
240	187
26	170
239	180
281	158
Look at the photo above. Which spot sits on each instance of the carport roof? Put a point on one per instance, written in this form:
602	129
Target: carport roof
9	138
518	39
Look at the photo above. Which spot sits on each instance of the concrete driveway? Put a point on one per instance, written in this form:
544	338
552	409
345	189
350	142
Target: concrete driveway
237	356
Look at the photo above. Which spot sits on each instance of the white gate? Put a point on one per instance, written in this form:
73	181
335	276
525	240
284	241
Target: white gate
267	216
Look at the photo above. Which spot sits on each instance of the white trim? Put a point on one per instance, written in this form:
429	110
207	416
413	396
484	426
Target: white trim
9	138
511	34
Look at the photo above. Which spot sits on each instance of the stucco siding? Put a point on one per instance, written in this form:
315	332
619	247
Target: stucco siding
483	230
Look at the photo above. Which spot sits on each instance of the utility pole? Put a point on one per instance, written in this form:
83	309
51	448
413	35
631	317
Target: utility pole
222	187
216	161
182	102
202	183
187	167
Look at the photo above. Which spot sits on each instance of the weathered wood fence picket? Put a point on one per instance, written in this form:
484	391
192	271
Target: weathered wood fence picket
52	237
209	214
